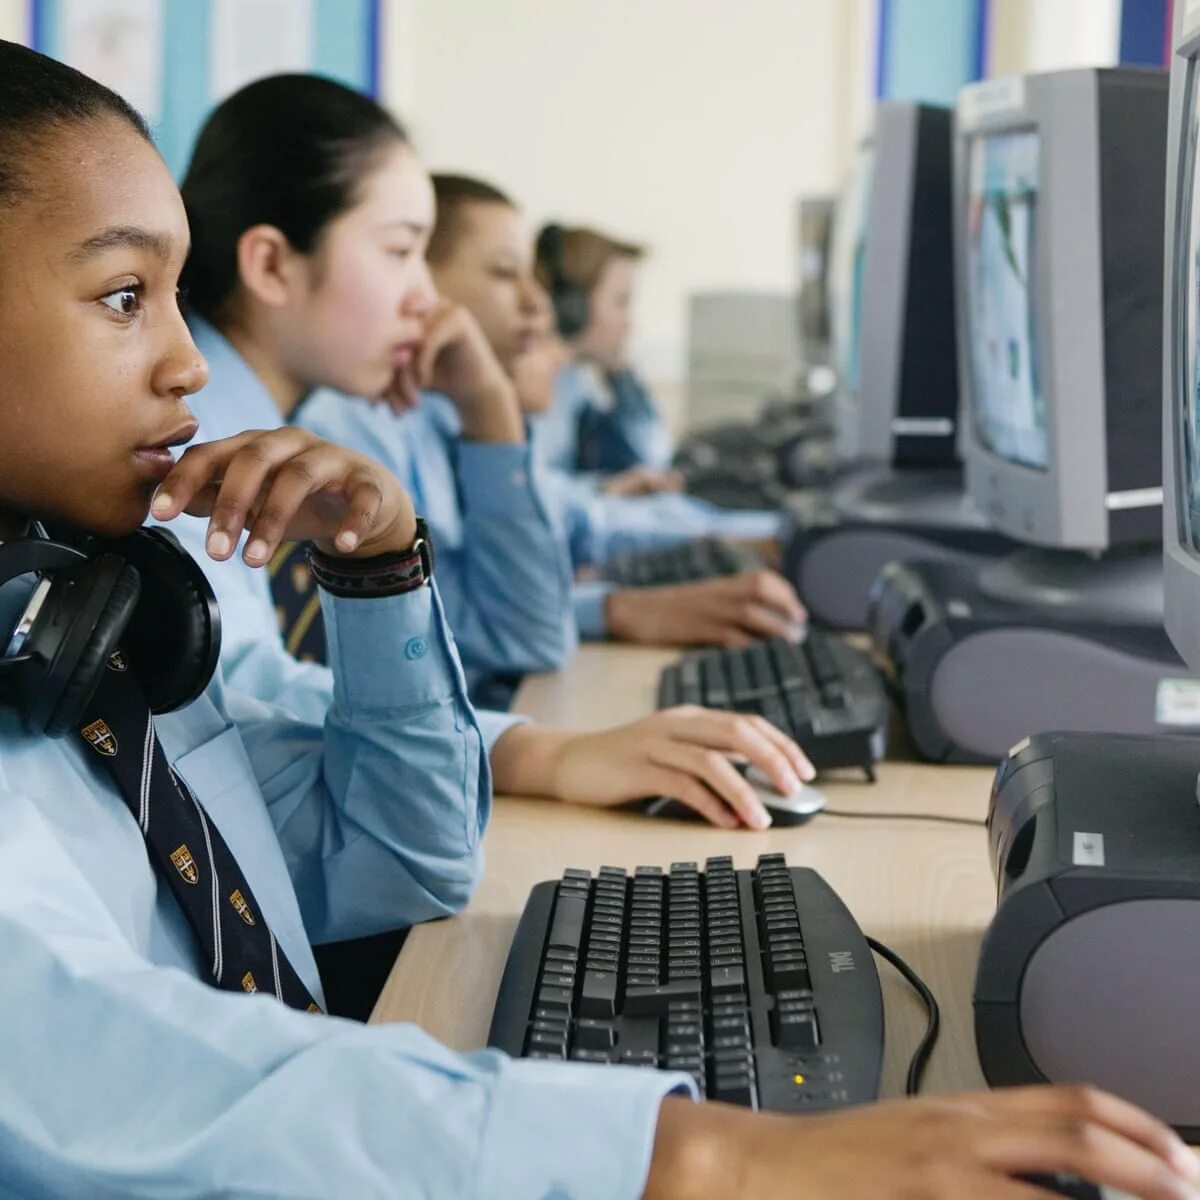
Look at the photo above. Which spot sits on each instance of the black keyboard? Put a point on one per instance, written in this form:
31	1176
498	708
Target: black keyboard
759	984
705	558
827	695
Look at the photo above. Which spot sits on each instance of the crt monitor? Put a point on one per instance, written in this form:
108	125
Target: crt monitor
904	411
814	222
1181	357
1058	269
847	251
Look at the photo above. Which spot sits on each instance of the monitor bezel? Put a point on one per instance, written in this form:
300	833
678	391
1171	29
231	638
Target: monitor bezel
1065	503
1181	560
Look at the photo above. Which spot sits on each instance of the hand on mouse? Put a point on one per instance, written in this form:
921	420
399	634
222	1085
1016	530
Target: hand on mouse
733	610
962	1147
683	753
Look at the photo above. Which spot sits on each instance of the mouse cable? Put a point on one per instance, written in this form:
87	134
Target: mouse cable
920	1058
902	816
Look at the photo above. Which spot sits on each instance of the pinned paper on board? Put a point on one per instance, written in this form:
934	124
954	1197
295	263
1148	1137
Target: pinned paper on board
118	42
253	38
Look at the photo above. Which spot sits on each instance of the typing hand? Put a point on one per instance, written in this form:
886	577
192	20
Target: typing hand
948	1148
288	484
682	753
643	481
456	359
731	611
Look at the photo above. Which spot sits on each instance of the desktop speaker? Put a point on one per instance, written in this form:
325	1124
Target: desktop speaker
1090	971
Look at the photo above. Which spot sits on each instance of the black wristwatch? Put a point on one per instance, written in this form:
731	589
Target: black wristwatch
390	574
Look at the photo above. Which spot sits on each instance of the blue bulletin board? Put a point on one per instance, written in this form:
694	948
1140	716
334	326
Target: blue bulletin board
174	59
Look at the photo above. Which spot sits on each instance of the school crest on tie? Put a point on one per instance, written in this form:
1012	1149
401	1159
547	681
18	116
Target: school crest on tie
241	907
117	661
185	864
101	738
248	984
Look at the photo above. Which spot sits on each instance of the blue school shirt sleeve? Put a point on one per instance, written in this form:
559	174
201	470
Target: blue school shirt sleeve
254	659
601	423
126	1076
502	560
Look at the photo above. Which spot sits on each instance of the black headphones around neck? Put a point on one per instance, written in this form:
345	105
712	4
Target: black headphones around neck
142	594
571	305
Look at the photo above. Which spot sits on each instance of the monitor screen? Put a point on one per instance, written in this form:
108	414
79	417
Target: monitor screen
848	255
1007	395
1189	242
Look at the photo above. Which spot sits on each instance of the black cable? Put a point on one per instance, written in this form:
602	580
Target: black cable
902	816
920	1058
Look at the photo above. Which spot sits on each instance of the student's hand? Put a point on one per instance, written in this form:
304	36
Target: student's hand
535	371
733	610
288	485
683	753
642	481
965	1147
455	358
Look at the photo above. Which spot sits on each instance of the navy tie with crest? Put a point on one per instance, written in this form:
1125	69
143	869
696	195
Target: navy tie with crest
186	848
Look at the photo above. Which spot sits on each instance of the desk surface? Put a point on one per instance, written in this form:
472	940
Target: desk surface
923	889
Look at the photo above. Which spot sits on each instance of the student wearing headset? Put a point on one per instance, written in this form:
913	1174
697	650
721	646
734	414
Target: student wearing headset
160	881
603	419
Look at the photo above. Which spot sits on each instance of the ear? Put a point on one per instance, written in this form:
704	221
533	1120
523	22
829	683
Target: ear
268	266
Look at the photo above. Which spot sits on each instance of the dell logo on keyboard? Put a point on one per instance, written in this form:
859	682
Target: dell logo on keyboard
841	960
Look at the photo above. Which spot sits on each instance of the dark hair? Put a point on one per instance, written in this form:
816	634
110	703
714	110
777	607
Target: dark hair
289	151
454	193
38	96
577	257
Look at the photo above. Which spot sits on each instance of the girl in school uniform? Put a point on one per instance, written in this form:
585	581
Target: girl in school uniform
160	881
310	215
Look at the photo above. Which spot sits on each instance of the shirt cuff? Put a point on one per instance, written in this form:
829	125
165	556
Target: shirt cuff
494	725
595	1130
391	652
591	615
496	476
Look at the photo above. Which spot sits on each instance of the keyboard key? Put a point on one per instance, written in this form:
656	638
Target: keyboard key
795	1030
566	932
594	1035
727	979
599	995
554	999
649	1001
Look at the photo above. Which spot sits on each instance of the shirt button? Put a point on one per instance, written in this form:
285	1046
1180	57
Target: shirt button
415	648
518	478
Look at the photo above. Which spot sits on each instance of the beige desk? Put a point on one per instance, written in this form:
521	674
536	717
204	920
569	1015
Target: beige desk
925	890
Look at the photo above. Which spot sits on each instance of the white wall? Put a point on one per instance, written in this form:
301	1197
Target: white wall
691	125
1049	35
14	20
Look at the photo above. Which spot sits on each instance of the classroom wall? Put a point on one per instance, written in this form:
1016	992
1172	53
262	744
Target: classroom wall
1049	35
14	20
690	125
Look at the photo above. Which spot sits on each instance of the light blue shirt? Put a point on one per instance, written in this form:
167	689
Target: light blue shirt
253	655
123	1074
502	562
420	447
601	422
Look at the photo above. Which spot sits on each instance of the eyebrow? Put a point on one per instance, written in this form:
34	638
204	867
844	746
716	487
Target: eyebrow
118	237
412	226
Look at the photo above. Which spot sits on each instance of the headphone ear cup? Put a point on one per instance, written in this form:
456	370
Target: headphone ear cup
571	309
107	630
173	641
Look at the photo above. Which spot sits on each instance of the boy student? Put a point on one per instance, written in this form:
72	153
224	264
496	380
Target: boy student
480	256
159	881
310	212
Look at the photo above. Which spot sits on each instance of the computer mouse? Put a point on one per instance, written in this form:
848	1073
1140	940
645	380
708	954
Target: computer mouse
795	809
